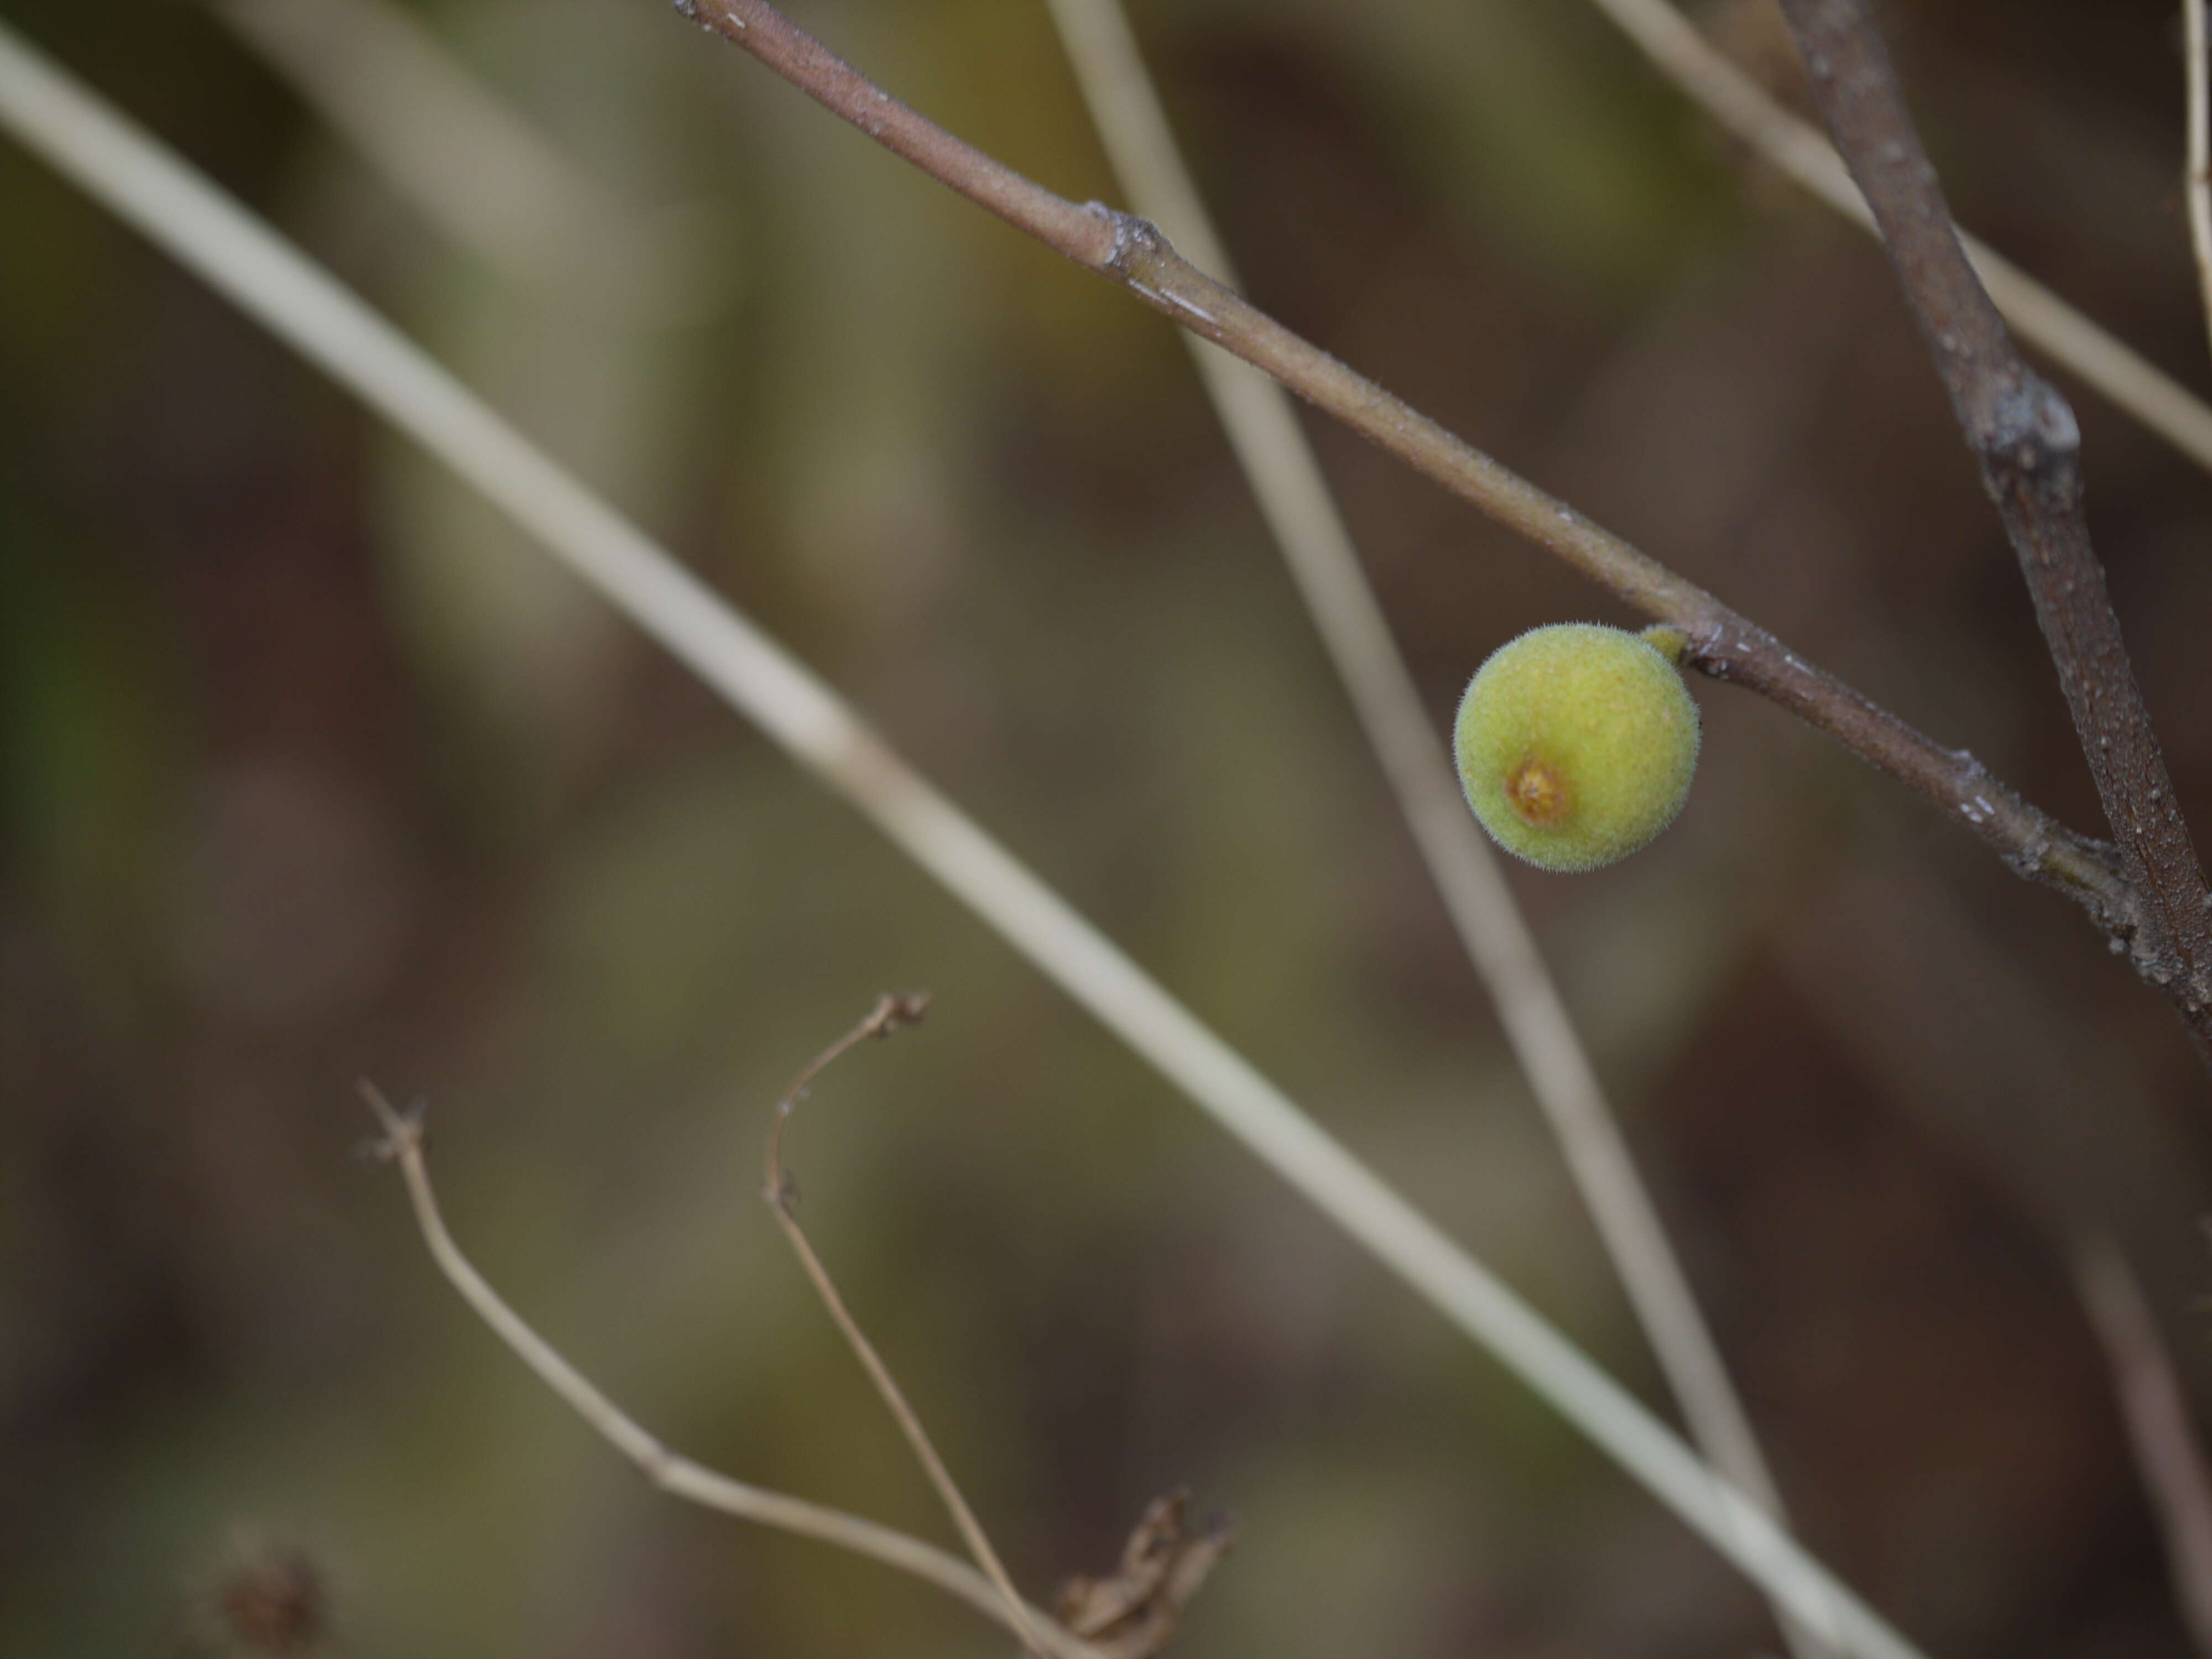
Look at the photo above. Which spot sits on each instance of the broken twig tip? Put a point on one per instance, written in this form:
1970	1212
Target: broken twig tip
896	1010
403	1130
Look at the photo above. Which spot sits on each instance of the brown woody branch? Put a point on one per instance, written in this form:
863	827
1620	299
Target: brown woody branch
1129	251
2028	443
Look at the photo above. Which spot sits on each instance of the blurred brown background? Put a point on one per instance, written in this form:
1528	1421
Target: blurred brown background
313	769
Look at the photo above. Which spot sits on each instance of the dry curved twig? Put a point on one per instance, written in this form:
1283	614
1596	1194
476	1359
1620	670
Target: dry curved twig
403	1143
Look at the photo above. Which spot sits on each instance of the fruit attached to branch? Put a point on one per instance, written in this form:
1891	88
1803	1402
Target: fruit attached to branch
1576	744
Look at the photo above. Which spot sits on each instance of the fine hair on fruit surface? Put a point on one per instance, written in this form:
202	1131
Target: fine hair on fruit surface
1576	744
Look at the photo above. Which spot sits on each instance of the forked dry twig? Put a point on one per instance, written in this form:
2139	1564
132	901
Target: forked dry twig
403	1143
890	1013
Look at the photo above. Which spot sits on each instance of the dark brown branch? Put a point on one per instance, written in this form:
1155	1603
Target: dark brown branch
1130	251
2028	443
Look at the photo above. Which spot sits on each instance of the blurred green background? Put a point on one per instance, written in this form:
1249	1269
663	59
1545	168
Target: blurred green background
312	769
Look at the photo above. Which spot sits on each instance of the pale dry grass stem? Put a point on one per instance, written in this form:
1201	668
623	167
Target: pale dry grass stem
2198	177
485	176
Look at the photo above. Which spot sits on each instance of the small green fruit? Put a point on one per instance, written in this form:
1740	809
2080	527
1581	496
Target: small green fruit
1576	744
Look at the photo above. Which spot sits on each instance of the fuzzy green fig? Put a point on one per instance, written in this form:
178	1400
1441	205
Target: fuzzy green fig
1576	744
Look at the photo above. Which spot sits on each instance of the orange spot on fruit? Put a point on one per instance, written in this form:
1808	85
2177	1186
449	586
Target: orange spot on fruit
1538	794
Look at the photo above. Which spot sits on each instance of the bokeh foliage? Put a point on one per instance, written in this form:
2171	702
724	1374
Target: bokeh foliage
313	769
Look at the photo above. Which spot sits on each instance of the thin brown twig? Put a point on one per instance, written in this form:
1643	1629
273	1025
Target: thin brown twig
890	1013
2028	444
1721	643
2169	1458
404	1143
